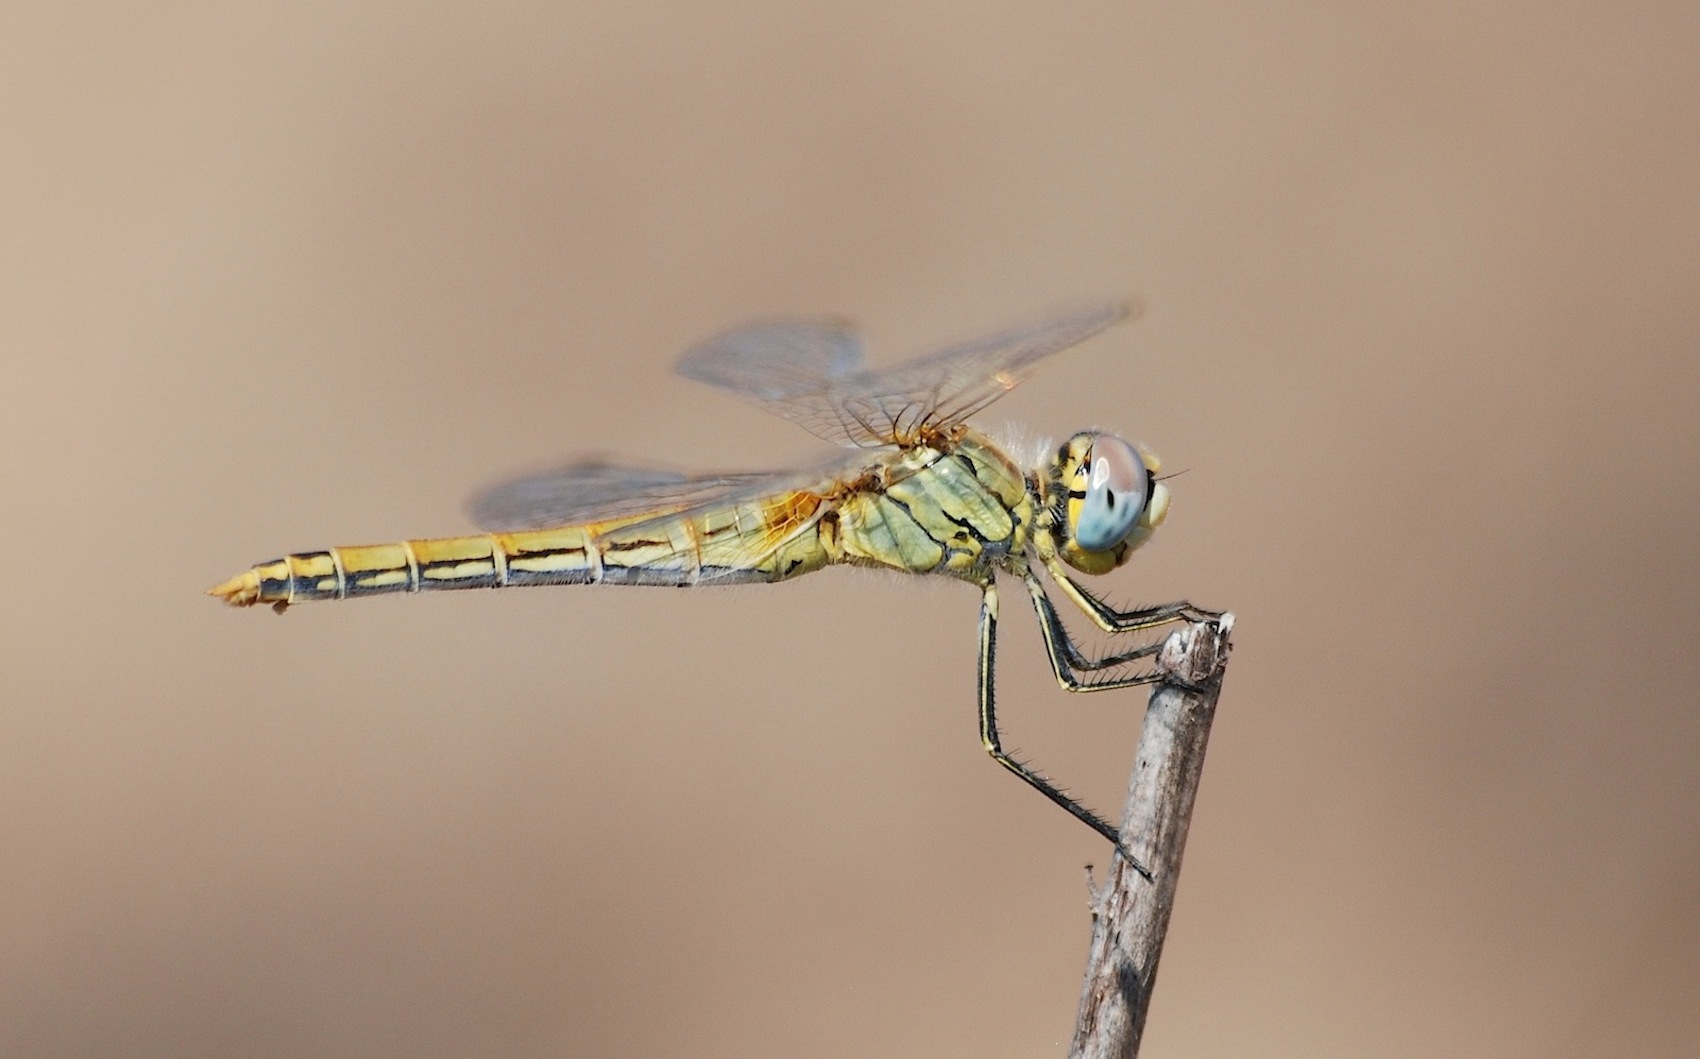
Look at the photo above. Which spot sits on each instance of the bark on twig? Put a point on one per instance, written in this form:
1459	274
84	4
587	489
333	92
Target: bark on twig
1130	915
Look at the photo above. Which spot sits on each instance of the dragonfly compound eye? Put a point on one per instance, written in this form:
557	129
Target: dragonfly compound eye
1118	484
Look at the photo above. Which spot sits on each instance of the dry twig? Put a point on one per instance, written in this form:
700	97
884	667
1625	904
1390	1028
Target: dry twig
1131	915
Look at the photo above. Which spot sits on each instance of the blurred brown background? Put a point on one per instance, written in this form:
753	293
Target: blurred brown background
1422	326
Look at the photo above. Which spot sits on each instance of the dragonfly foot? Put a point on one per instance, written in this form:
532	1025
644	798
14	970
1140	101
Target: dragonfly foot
1133	862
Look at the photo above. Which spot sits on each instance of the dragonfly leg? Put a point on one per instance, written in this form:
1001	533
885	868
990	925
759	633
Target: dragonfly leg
993	742
1112	620
1066	658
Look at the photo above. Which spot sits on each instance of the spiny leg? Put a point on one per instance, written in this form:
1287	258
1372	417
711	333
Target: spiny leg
1112	620
1066	657
990	739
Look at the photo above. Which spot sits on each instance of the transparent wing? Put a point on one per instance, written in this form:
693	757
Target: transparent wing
599	491
596	491
812	373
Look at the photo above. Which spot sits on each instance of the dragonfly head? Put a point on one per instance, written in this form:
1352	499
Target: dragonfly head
1111	500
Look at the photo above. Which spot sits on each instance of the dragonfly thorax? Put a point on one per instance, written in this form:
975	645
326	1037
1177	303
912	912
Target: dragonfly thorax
1102	500
961	509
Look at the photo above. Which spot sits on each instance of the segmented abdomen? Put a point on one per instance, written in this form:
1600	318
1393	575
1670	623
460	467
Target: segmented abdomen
768	539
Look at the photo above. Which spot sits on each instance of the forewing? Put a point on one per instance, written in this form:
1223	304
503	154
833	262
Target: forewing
810	373
775	360
596	491
944	388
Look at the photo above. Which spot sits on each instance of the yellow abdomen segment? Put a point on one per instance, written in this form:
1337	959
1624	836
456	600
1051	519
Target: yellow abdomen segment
766	539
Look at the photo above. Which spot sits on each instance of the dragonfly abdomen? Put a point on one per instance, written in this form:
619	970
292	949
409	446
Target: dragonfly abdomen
372	569
767	539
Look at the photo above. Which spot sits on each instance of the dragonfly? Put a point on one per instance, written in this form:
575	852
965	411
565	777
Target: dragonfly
921	492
